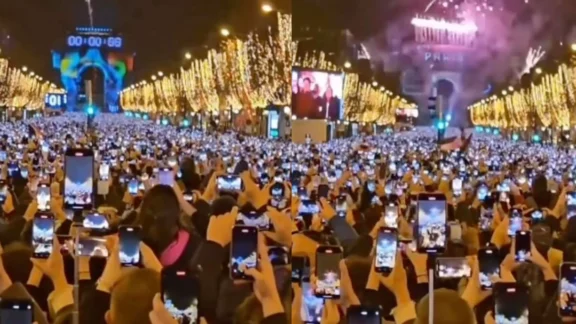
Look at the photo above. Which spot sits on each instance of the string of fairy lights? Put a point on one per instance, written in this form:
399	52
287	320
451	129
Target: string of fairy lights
549	103
22	89
251	74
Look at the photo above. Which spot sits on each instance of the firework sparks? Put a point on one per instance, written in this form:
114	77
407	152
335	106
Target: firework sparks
534	56
90	12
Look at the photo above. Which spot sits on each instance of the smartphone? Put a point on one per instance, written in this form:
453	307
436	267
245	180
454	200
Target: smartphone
180	294
328	271
391	215
571	203
489	265
511	301
567	297
129	245
3	191
312	305
308	206
229	183
104	171
19	311
323	191
92	247
188	196
515	221
457	187
244	251
166	177
43	235
133	185
387	245
431	223
279	255
43	196
300	268
95	220
537	216
79	179
523	242
254	218
452	268
360	314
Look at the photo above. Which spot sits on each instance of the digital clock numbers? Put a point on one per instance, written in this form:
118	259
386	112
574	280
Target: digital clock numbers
95	41
55	100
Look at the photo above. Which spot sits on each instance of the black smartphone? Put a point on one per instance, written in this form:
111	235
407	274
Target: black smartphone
3	190
323	191
515	224
489	266
255	218
279	255
129	237
244	251
328	271
312	305
511	302
43	196
360	314
523	241
95	220
79	179
180	294
94	247
229	183
452	268
431	223
391	215
567	297
571	203
300	268
43	235
14	311
386	247
537	216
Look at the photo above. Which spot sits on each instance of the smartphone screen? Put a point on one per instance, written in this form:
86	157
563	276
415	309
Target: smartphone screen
180	294
511	303
391	216
537	216
567	298
341	206
95	220
523	244
358	314
244	251
300	268
3	191
571	203
279	255
79	179
92	247
43	197
133	185
515	221
16	311
328	271
312	305
489	265
387	244
457	187
431	222
166	177
104	171
129	245
308	206
229	183
323	191
43	235
452	268
254	218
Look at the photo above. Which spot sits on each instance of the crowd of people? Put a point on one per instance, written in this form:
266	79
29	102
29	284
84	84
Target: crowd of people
185	226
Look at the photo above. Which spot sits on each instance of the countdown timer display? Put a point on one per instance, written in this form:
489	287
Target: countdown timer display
95	41
55	100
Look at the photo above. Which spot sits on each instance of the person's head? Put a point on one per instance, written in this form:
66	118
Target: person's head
540	191
131	298
306	84
329	92
160	216
189	176
449	308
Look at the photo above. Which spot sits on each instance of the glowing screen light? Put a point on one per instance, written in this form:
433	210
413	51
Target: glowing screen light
515	137
164	122
536	138
90	110
464	27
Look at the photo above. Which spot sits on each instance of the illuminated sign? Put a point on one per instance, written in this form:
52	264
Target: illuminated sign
95	41
55	100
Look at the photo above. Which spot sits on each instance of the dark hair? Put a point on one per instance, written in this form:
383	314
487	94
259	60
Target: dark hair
540	192
306	79
160	217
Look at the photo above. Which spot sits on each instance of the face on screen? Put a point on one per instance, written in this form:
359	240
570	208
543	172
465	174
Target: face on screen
511	305
432	224
79	182
317	94
312	306
43	235
328	272
567	298
386	250
244	250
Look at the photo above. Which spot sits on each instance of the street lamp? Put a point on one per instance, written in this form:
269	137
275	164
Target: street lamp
347	65
538	71
160	73
374	83
153	78
267	8
24	68
573	47
224	32
188	56
511	88
31	73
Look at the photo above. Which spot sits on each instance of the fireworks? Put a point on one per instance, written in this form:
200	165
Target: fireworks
532	58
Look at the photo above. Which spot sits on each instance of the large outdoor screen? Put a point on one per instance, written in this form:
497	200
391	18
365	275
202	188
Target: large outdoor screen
317	94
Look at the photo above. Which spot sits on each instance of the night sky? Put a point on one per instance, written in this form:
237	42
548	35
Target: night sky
158	31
